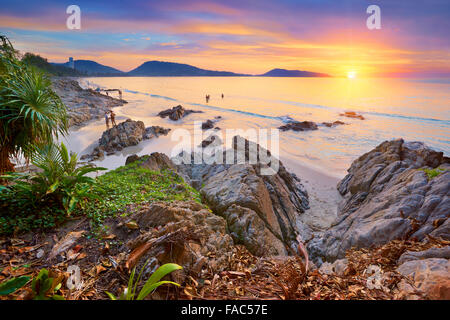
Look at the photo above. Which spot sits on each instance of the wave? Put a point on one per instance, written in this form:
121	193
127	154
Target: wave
287	118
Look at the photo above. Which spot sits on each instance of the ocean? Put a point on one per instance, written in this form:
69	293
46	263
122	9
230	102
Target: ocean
412	109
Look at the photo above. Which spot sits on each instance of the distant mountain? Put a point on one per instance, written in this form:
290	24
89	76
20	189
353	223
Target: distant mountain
50	68
292	73
169	69
92	68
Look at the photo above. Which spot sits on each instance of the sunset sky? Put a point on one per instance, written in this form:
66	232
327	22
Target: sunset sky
242	36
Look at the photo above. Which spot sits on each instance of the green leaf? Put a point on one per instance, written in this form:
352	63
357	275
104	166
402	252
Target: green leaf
146	290
156	276
12	285
110	295
53	187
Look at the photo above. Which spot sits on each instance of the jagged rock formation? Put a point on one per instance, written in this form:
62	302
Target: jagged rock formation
83	105
260	210
125	134
197	237
176	113
398	190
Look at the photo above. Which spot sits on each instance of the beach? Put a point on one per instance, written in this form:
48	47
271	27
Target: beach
320	157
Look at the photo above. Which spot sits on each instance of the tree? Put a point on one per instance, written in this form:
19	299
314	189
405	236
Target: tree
31	113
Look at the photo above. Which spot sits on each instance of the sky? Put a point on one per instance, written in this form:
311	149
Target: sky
244	36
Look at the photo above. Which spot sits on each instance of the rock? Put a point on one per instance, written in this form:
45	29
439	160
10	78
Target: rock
196	236
156	161
212	140
431	277
83	105
388	195
176	113
131	159
299	126
208	124
260	210
352	114
154	132
425	254
125	134
333	124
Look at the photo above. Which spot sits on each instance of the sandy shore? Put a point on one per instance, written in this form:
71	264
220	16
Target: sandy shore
323	195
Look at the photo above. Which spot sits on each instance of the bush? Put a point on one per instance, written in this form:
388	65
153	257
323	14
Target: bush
47	197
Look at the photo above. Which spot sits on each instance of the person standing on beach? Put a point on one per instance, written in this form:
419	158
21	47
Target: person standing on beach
113	118
107	119
207	98
222	95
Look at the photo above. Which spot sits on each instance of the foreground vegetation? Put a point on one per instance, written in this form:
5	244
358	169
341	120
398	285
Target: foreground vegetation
46	199
31	114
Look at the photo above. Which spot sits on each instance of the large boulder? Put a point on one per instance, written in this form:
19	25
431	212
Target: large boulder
176	113
125	134
399	190
182	232
260	210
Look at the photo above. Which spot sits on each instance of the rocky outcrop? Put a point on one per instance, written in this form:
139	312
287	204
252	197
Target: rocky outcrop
196	237
427	277
83	105
299	126
352	114
125	134
260	210
399	190
210	124
176	113
156	161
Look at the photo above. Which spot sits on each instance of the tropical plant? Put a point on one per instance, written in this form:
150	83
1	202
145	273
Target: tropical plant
44	287
31	113
150	285
10	286
59	180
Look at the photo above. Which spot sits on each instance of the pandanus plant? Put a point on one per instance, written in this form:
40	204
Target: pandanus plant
31	114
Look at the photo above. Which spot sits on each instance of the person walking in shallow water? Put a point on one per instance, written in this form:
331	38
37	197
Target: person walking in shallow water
107	119
207	98
113	118
222	96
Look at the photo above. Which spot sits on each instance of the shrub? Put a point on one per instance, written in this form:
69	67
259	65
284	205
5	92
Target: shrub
46	197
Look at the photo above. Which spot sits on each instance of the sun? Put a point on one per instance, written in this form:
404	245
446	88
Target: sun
351	74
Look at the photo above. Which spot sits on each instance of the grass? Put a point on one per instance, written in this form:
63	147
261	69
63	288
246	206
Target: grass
116	190
433	173
112	194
